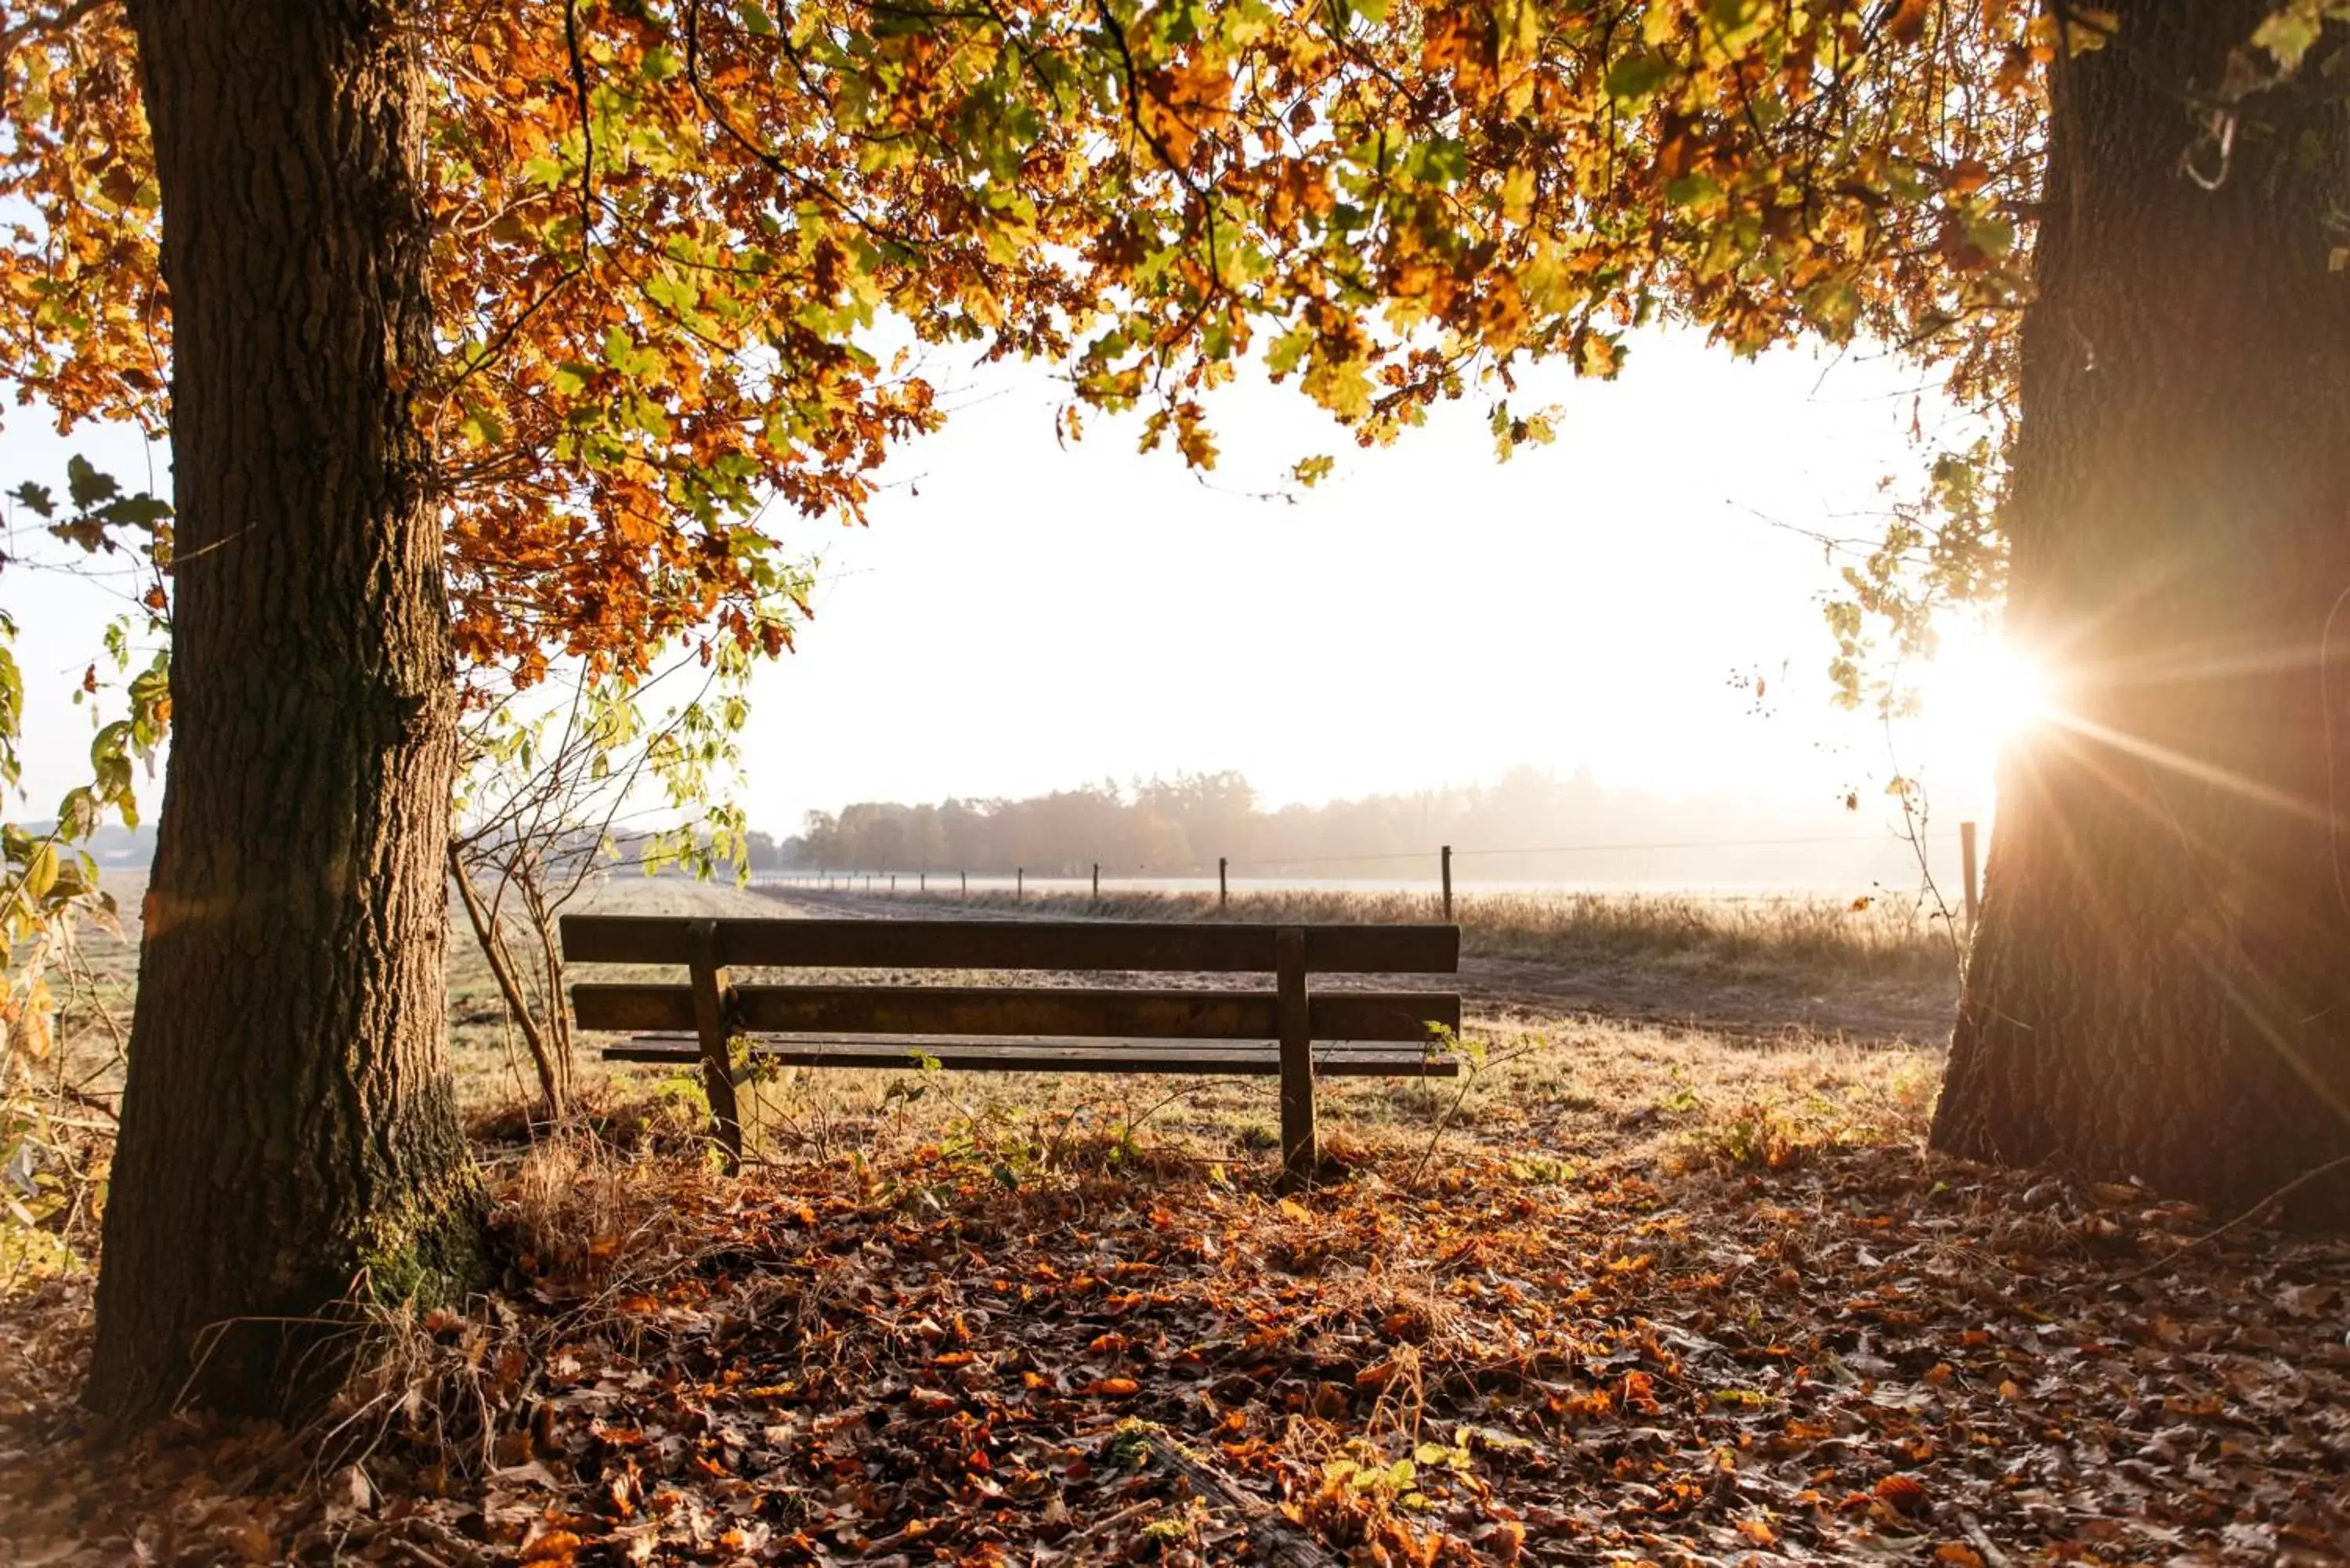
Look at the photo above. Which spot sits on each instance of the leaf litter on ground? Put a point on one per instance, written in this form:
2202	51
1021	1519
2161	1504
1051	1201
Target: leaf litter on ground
1753	1347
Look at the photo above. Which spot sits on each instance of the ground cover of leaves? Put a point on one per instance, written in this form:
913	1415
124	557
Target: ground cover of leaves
1764	1338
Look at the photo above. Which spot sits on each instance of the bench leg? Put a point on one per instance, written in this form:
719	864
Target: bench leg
1300	1152
712	997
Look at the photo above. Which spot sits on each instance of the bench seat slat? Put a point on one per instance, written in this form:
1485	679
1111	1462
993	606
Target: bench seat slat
1262	1060
1110	945
1392	1016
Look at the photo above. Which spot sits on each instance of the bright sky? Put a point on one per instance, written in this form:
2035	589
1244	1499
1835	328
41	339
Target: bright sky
1021	617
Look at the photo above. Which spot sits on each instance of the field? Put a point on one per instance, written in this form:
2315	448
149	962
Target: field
1673	1281
1871	969
1785	971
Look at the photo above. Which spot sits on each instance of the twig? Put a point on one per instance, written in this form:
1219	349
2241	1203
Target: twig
1103	1526
1478	1065
89	1101
1983	1544
2263	1205
587	130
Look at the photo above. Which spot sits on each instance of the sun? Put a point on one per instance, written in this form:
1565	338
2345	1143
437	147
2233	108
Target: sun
1982	692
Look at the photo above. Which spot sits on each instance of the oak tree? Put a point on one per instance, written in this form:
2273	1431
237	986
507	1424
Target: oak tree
2157	989
484	335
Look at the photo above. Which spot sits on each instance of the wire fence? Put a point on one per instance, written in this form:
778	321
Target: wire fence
1266	874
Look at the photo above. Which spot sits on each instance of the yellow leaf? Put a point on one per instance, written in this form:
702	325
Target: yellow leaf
40	871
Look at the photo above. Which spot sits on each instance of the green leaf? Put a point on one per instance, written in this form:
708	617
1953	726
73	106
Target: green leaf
1693	190
2289	32
1994	237
1636	76
89	487
135	511
1288	351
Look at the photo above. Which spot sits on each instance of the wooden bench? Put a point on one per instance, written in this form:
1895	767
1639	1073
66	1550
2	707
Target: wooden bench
1024	1029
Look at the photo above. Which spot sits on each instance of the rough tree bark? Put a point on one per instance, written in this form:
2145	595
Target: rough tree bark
288	1125
2160	986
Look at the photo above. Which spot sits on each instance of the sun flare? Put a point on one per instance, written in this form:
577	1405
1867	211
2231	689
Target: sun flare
1982	692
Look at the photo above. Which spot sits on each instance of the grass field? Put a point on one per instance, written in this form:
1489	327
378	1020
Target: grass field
1594	1020
1744	966
1813	938
1629	1290
1554	1065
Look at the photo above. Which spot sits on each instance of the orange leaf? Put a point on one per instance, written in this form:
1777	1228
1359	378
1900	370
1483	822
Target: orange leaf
1902	1493
554	1546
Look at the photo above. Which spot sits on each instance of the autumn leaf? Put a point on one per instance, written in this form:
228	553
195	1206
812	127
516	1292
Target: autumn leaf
1903	1494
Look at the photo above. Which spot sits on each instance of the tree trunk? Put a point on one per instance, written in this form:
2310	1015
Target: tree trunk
288	1128
2160	987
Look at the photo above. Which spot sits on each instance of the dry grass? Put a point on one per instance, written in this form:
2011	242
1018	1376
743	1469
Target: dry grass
1678	948
1546	1097
491	1069
1819	940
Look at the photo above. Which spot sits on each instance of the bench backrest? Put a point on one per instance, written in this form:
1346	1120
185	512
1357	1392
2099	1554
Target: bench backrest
1008	1011
1074	945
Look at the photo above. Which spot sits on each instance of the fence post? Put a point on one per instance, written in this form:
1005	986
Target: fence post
1097	881
893	881
1223	889
1448	881
966	883
1019	883
1967	872
922	882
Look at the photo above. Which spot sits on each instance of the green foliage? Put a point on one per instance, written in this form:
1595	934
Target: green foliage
1941	551
49	881
2288	33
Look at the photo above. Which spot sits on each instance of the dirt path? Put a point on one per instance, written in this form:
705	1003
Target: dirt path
1718	1004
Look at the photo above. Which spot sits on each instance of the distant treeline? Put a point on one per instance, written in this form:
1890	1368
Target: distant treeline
1531	825
112	844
